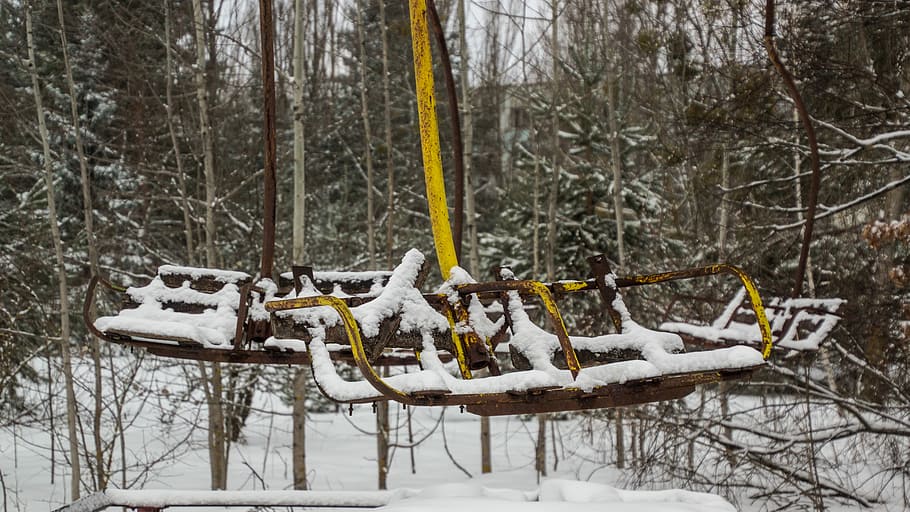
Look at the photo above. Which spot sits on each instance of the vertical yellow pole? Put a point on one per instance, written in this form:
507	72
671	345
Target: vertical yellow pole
429	139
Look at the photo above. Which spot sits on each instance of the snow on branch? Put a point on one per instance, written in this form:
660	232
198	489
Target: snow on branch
845	206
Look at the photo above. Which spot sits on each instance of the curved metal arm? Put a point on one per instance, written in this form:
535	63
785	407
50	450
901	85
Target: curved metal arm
719	268
353	333
88	306
549	303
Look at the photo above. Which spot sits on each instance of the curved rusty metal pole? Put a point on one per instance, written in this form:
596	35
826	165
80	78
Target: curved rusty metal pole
457	144
815	183
267	38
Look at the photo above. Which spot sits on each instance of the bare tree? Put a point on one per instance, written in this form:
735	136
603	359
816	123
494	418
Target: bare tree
552	203
367	139
100	476
213	387
299	221
169	110
387	121
63	288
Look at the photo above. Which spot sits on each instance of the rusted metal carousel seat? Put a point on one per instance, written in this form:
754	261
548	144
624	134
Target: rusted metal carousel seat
529	341
660	370
636	365
190	307
799	324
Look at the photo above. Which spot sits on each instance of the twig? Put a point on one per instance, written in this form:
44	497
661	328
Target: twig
837	209
256	475
445	444
3	485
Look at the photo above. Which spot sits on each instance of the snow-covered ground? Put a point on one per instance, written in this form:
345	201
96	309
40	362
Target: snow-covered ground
166	449
341	456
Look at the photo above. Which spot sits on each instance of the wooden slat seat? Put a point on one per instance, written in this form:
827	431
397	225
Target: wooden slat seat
395	317
186	306
796	324
355	284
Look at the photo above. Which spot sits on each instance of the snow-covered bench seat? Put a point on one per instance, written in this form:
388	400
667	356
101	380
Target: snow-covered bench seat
645	365
187	306
397	316
533	347
363	284
796	324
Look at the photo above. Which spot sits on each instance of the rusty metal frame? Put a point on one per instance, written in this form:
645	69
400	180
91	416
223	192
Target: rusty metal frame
237	354
542	291
240	353
490	290
656	389
666	387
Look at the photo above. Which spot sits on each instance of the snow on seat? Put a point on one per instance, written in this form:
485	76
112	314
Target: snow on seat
364	284
398	316
180	306
797	324
648	354
332	385
651	362
515	382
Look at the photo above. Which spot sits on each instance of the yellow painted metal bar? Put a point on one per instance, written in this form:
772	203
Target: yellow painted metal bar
757	307
559	326
353	334
429	138
574	286
459	345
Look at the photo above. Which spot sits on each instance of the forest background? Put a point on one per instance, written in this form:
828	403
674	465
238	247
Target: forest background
655	131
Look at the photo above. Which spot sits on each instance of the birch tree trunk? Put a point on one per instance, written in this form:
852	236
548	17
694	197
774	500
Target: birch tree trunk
467	124
100	474
724	222
63	289
205	128
367	138
616	166
382	441
541	450
382	408
554	133
387	118
216	434
299	215
468	127
723	226
535	214
217	442
298	252
169	109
